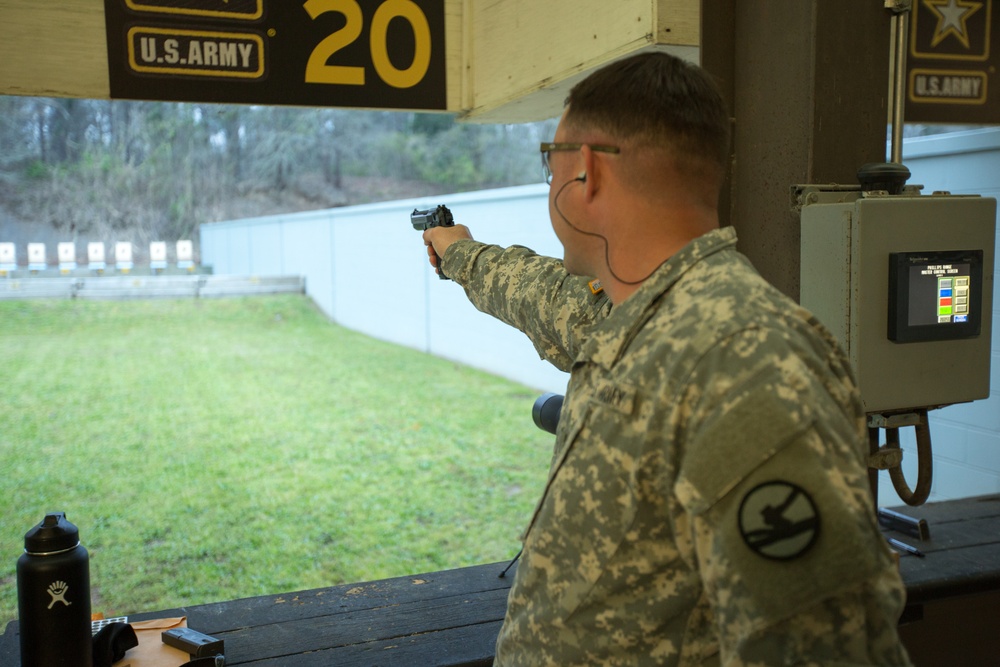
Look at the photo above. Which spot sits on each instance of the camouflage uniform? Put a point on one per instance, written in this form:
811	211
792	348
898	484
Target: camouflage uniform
707	500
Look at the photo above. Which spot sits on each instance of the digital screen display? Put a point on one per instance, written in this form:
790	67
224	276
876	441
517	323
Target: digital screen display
939	294
934	295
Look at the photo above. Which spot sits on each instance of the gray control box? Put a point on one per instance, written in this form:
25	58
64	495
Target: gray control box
905	283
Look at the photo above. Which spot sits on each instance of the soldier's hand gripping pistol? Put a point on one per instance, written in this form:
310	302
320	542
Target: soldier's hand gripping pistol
433	217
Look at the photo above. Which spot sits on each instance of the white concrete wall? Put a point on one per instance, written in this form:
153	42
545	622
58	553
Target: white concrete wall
366	268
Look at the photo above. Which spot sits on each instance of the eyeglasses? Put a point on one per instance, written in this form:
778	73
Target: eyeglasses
548	146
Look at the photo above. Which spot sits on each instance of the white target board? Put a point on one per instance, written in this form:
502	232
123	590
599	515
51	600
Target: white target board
36	256
158	251
66	251
185	255
157	255
95	252
8	258
123	256
36	252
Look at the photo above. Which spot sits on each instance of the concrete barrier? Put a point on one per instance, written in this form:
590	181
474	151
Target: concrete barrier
38	288
149	287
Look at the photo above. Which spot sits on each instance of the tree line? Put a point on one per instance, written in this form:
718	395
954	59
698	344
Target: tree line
141	171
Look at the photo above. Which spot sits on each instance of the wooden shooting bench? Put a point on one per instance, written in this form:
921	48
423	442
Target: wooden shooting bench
453	617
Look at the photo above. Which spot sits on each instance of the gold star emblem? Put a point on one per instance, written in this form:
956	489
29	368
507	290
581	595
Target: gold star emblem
952	16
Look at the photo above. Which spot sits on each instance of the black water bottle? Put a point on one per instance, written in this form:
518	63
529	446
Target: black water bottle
53	596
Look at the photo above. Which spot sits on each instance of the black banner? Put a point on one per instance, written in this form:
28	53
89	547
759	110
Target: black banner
387	54
952	63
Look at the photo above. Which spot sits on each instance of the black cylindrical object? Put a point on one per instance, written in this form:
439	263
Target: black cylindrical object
888	176
546	410
53	596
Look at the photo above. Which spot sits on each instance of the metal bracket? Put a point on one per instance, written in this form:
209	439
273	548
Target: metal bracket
806	195
894	420
899	6
885	459
832	193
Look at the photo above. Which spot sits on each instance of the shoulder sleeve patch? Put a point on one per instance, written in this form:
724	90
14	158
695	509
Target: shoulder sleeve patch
733	443
779	520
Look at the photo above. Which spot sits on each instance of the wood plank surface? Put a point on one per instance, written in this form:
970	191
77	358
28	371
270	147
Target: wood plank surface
453	617
962	556
471	646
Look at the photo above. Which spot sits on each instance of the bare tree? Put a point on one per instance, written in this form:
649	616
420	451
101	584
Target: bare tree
155	171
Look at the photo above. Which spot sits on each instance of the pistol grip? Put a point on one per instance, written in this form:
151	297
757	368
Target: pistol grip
439	271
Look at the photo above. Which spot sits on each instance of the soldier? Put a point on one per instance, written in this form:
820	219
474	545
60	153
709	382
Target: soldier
707	501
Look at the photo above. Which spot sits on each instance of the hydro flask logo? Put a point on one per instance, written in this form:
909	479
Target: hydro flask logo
58	590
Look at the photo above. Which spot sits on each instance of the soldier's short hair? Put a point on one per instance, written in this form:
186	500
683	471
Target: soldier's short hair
657	100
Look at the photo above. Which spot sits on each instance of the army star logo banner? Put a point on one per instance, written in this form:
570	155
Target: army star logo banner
952	63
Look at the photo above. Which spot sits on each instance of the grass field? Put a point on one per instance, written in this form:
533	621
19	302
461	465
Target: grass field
217	449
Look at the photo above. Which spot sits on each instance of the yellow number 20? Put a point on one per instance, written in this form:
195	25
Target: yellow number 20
319	71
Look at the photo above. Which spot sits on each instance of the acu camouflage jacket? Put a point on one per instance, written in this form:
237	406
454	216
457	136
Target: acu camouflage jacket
707	500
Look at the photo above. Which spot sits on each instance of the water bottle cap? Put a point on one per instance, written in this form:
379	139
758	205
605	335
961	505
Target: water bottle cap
52	535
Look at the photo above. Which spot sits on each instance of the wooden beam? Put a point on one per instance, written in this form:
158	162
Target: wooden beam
526	54
54	49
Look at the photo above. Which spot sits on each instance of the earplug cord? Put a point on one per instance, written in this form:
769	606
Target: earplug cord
607	246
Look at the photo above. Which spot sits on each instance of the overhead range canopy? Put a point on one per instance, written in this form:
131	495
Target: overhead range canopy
488	61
